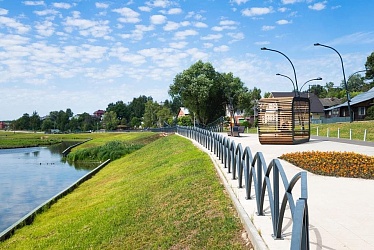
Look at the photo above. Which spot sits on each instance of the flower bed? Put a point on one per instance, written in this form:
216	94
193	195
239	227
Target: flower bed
339	164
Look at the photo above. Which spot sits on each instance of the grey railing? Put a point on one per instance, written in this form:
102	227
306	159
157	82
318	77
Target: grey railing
265	179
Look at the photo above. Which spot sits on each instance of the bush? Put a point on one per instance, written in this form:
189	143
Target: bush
111	150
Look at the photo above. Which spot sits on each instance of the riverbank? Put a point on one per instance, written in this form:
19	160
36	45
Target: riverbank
165	195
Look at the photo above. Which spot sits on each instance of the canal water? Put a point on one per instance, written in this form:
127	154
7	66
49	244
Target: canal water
31	176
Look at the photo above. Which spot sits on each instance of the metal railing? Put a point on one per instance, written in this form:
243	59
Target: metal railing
265	179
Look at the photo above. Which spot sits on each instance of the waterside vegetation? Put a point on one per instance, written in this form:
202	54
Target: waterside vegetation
165	195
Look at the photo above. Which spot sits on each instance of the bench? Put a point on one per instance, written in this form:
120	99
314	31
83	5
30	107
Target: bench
236	130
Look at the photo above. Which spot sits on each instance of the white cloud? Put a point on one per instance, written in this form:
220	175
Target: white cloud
14	24
208	45
200	25
236	36
159	3
128	15
318	6
158	19
238	2
3	11
62	5
212	37
196	54
222	48
283	9
174	11
355	38
178	45
267	27
87	27
45	28
171	26
256	11
46	12
283	22
101	5
145	8
262	43
181	35
290	1
33	3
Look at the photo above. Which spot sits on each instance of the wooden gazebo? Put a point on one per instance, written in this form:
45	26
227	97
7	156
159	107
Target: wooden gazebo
284	120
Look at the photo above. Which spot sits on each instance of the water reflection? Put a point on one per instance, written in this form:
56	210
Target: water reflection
30	176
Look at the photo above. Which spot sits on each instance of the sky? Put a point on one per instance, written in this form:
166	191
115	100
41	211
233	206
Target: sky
84	54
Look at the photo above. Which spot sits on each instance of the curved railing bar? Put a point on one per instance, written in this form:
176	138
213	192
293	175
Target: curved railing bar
248	172
240	161
232	147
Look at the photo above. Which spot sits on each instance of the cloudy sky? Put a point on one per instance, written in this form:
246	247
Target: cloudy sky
85	54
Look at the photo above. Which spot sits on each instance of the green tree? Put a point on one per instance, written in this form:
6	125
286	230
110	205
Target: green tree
110	120
355	83
121	109
150	114
47	124
370	113
206	92
163	116
369	65
35	121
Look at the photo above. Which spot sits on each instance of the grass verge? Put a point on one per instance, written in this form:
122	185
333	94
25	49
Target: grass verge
166	195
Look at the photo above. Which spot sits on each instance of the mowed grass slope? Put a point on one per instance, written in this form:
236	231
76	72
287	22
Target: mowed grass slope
166	195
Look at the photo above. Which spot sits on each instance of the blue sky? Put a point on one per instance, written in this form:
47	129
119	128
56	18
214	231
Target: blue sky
84	54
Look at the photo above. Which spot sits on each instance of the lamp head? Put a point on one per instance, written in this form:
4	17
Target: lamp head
277	74
317	44
319	78
264	48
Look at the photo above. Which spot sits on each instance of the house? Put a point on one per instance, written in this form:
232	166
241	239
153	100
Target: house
316	107
359	106
183	112
328	103
3	125
99	113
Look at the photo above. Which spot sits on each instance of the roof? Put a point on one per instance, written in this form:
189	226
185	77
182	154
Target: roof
185	110
363	97
315	103
329	102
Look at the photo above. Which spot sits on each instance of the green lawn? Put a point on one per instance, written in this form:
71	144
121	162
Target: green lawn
166	195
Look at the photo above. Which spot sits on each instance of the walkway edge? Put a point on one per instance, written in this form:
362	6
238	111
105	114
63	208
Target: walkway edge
255	238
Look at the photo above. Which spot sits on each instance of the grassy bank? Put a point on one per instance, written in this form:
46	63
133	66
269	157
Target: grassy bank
357	129
165	195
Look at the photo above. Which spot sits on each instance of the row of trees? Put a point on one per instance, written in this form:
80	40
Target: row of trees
200	88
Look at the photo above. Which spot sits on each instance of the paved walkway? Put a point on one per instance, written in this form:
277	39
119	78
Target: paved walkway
341	210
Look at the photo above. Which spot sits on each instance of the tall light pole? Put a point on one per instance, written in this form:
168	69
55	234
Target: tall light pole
314	79
289	79
345	81
364	70
294	71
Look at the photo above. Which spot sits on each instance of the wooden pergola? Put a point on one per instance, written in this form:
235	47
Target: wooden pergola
284	120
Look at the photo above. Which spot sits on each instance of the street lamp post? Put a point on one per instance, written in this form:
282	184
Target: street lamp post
294	71
314	79
345	81
289	79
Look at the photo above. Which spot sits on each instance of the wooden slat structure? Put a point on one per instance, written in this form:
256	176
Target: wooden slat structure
284	120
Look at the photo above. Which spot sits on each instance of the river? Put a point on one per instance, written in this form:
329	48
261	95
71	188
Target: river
31	176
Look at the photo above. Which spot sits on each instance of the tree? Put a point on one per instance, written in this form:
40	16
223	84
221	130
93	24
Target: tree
47	124
206	92
150	114
35	121
110	120
121	110
163	116
355	83
369	65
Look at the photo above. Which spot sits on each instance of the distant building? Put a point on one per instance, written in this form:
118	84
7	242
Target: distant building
359	106
183	112
3	125
99	113
316	107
